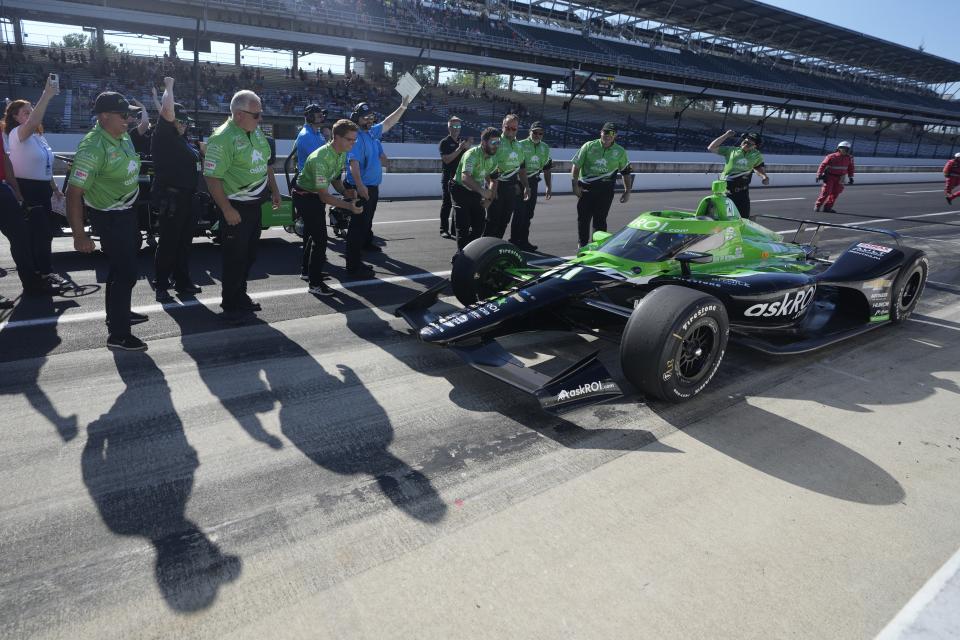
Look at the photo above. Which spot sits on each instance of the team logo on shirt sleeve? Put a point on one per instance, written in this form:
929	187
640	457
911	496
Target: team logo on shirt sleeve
209	165
80	175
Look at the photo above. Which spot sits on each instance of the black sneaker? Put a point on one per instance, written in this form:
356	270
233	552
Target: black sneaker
138	318
56	280
362	269
248	305
126	343
321	289
305	277
188	288
829	210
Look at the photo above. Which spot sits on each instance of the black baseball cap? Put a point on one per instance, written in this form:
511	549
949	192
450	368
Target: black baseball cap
536	126
609	126
314	108
113	102
180	113
362	109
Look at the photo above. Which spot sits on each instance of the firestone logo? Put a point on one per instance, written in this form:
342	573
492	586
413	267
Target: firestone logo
584	389
792	304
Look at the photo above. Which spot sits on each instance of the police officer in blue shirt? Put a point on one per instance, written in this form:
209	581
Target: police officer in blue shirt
308	140
365	172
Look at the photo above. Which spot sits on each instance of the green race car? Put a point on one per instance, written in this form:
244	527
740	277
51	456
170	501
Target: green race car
670	288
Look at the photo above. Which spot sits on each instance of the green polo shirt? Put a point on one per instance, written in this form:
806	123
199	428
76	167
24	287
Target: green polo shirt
598	164
107	169
238	158
509	158
739	164
536	156
322	167
477	165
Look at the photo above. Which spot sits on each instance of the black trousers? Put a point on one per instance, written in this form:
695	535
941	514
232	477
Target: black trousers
446	206
742	200
501	209
468	214
314	214
522	214
239	246
120	241
177	223
592	208
360	231
13	224
36	198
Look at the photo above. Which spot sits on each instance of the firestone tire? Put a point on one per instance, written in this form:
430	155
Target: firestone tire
480	270
674	342
908	286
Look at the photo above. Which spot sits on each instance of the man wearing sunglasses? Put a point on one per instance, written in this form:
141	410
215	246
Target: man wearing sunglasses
741	162
238	174
536	155
176	170
104	177
451	149
475	186
596	166
513	176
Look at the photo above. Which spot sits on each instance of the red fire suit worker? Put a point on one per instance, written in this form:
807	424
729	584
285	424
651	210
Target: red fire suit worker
951	171
831	171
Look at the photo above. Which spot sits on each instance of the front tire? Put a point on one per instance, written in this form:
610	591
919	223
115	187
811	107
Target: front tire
908	286
674	342
481	269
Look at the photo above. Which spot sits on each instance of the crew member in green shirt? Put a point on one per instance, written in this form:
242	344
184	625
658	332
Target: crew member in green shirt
322	169
595	169
238	173
536	157
104	178
512	177
474	186
741	162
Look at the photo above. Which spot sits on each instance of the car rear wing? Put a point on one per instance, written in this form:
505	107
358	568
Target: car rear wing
583	383
820	224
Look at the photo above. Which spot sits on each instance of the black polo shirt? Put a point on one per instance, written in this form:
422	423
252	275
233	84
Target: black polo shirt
175	162
447	146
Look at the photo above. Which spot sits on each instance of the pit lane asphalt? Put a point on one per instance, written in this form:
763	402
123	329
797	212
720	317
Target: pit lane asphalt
319	473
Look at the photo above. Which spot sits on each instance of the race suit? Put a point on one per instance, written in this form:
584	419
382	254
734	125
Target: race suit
951	172
832	169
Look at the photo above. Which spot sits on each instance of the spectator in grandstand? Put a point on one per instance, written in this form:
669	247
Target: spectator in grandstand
32	161
831	172
324	168
176	166
536	157
741	162
951	174
451	149
308	140
105	179
475	186
238	174
365	175
513	176
595	168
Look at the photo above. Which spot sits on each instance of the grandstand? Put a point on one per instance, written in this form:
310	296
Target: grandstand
815	82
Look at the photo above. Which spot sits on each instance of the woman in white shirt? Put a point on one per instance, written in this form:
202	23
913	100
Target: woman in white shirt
32	160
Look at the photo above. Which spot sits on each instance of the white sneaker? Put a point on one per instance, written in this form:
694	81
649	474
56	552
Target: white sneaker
321	290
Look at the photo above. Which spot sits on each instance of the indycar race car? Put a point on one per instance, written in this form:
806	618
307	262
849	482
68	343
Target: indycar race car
671	287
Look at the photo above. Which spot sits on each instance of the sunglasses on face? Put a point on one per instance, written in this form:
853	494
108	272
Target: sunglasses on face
494	143
536	133
749	143
509	128
455	126
256	115
609	133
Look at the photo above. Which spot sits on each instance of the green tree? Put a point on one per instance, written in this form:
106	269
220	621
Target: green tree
465	79
75	41
424	74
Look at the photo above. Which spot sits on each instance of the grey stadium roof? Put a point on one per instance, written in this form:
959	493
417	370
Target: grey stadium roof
751	21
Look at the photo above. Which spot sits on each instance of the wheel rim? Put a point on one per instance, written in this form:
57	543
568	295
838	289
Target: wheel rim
696	352
495	278
910	290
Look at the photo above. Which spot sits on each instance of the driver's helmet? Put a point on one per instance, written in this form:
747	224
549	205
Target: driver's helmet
843	144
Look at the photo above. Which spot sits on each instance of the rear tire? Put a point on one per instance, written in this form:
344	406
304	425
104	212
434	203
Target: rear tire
908	286
480	270
674	342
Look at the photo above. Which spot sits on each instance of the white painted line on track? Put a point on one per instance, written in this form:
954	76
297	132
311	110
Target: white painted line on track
946	285
934	611
212	301
935	324
777	199
927	191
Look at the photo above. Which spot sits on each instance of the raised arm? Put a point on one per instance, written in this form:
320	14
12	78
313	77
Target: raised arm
28	128
394	117
166	103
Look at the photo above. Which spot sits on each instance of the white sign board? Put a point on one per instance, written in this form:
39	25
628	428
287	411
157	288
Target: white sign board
408	86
